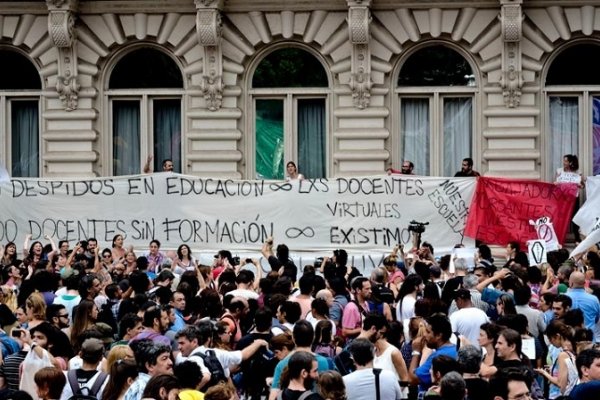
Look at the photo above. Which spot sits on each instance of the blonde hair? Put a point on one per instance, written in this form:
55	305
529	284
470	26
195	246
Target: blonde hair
38	306
118	352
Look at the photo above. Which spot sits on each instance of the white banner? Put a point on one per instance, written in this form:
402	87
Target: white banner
367	214
589	213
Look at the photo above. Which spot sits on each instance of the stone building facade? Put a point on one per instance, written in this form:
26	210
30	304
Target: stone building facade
92	88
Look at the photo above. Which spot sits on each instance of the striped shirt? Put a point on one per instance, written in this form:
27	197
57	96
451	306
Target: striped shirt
9	370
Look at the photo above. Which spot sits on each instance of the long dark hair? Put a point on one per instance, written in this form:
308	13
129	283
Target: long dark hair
323	333
410	284
120	371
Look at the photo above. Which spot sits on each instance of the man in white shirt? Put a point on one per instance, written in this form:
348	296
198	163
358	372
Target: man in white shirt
468	319
361	384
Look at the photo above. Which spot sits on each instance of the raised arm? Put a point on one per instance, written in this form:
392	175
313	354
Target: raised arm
26	245
147	165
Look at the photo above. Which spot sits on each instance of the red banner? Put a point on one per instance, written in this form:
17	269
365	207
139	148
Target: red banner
502	208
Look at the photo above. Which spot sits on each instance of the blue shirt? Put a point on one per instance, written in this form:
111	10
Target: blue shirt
423	371
322	366
588	304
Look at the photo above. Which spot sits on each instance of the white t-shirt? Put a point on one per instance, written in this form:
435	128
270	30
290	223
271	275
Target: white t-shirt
467	322
405	309
360	385
245	293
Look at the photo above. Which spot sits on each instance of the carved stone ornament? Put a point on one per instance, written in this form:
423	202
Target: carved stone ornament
209	30
511	18
68	90
359	18
61	29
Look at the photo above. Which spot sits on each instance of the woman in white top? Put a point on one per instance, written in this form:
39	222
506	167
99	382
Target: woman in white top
388	357
407	297
184	261
292	172
569	173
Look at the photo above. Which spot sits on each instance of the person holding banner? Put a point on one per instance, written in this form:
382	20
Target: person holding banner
569	173
292	172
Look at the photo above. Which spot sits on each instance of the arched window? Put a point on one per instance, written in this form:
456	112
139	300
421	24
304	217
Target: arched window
436	88
573	96
20	87
145	89
289	93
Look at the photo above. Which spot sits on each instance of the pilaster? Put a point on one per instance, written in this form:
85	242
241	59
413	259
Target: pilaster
61	28
209	30
359	17
511	17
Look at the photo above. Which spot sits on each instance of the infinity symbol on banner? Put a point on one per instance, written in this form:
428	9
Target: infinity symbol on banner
286	187
294	233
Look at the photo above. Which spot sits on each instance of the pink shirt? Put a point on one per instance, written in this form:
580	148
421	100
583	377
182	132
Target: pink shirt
352	317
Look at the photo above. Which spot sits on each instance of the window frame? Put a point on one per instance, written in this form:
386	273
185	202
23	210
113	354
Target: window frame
145	96
435	94
290	120
290	96
584	95
7	97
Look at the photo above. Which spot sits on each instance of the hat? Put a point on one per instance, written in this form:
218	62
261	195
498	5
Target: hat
462	293
92	345
106	332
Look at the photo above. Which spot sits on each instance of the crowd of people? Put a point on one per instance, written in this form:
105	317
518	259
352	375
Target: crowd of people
112	324
106	323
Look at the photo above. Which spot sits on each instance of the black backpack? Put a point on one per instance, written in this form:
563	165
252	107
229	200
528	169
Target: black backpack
212	363
85	393
343	362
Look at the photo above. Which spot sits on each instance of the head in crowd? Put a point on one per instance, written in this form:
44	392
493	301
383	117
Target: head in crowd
323	332
362	351
221	391
469	359
188	339
561	304
437	330
441	365
560	334
588	365
130	325
331	385
162	387
189	374
302	367
35	307
303	333
574	318
57	315
546	301
319	307
453	386
153	359
509	384
412	284
89	286
92	351
116	353
282	345
338	286
508	345
340	257
50	382
122	374
505	305
156	318
289	311
570	163
374	324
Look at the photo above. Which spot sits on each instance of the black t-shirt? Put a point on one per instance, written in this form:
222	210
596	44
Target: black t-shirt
478	389
289	394
289	268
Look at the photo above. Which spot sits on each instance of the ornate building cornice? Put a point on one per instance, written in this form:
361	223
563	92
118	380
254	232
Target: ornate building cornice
359	18
511	18
61	28
208	30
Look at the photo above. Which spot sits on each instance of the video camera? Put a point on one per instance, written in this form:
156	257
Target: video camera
417	227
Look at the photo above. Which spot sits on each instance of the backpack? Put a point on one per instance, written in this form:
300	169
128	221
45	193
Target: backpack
212	363
85	393
303	396
343	362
